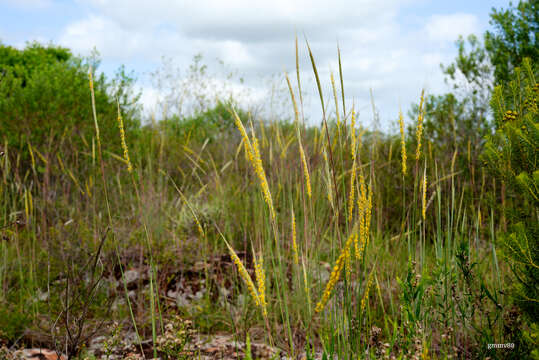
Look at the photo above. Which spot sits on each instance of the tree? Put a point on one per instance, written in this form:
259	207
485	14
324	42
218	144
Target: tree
45	100
470	76
478	66
461	118
457	121
514	37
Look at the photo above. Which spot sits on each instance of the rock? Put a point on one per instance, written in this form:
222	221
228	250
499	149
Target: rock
42	296
120	301
182	301
226	347
39	354
96	345
199	294
131	276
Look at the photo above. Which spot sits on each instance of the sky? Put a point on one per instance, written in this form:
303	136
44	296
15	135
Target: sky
390	48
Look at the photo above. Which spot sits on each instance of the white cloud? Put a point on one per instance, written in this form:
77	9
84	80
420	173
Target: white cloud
94	31
432	59
257	38
149	97
234	53
239	16
114	41
27	4
449	27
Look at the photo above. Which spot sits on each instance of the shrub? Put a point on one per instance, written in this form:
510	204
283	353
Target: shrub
44	100
512	156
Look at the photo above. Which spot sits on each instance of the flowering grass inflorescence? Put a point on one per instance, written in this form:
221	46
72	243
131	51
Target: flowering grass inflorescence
335	274
253	154
294	243
244	275
261	282
123	141
419	130
403	143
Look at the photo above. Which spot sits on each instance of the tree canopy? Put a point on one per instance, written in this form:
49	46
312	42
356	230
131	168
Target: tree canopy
515	36
45	99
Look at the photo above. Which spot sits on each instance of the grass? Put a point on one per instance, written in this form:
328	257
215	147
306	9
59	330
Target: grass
340	244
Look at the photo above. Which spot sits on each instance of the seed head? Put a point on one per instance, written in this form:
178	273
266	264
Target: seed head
424	200
244	275
124	143
419	130
261	282
335	275
403	144
294	244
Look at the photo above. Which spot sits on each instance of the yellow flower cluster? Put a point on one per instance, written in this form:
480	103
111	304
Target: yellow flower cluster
366	296
353	175
357	246
91	78
32	156
403	144
419	130
364	203
424	200
306	170
199	227
348	263
244	275
294	244
262	176
124	143
261	282
253	154
335	275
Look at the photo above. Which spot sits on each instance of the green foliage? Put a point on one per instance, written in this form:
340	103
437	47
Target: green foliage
248	355
438	303
13	322
448	124
512	155
457	121
413	309
178	334
463	113
114	340
413	289
470	73
191	92
208	124
515	36
44	100
24	63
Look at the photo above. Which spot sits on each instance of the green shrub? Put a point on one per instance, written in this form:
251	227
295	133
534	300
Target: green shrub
13	322
45	100
512	156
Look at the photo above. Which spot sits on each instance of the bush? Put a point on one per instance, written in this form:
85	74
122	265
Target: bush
512	156
45	100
